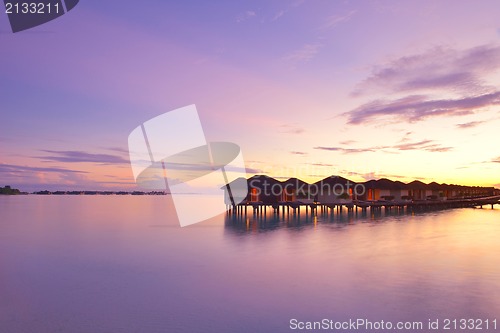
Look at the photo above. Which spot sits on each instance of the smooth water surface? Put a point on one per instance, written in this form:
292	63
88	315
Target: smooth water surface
123	264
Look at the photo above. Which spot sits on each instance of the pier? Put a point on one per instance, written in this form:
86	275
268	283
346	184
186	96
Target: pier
315	208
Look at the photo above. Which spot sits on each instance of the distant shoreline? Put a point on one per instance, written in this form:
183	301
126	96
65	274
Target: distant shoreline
7	190
99	193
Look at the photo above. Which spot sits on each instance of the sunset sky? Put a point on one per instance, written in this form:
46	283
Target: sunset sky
362	89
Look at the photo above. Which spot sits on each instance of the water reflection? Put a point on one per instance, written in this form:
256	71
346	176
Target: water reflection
269	220
123	264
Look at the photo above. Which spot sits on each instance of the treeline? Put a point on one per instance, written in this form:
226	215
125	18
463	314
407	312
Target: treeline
9	190
45	192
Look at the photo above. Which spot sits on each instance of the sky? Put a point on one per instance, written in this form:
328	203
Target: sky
308	89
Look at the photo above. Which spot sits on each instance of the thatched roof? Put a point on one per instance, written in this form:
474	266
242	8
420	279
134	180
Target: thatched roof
381	184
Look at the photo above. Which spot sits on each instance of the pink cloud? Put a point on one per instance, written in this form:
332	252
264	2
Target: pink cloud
437	68
419	108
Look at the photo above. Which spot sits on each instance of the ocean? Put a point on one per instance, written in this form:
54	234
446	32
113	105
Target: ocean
123	264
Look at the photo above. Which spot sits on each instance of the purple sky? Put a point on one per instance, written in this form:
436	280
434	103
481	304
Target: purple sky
363	89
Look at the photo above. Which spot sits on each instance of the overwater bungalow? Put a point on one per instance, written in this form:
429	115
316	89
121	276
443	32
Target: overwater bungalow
333	190
385	189
295	189
263	189
418	190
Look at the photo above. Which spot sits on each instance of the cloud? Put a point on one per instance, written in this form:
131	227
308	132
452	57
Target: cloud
437	68
252	170
413	145
323	164
347	150
117	149
304	54
292	129
31	178
418	108
496	160
406	137
71	156
298	153
347	142
11	168
437	149
470	124
245	16
335	20
278	15
427	145
422	77
424	145
373	175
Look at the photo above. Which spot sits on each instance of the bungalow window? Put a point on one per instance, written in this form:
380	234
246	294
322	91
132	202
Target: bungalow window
287	195
254	195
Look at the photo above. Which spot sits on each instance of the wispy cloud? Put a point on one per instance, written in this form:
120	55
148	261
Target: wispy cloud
304	54
413	145
406	137
292	129
278	15
424	145
335	20
427	145
470	124
71	156
298	153
117	149
11	168
439	71
347	150
253	170
418	108
245	16
437	68
347	142
323	164
33	178
372	175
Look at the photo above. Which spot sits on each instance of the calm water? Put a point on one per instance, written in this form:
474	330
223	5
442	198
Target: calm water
122	264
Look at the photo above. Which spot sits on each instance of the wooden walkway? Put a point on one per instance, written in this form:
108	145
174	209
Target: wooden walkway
282	208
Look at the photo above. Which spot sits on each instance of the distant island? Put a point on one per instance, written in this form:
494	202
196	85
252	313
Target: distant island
7	190
46	192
